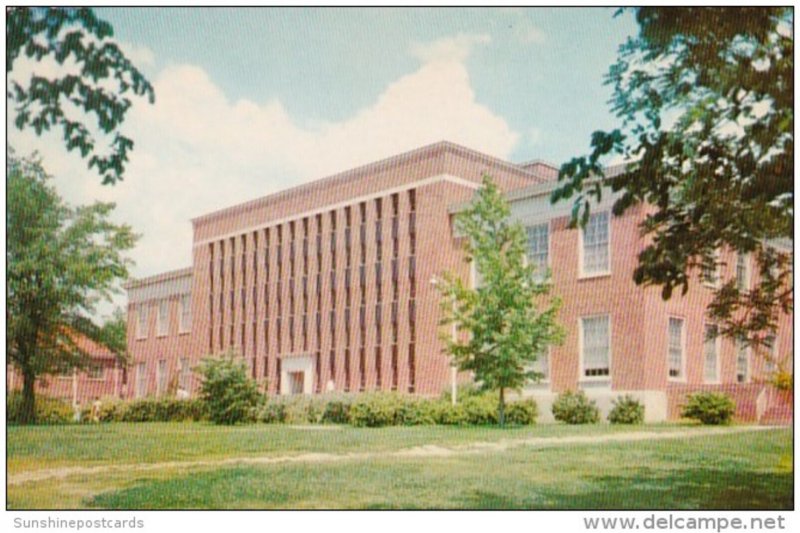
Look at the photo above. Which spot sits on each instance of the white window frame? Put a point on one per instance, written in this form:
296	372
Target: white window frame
682	376
162	316
771	359
548	355
746	260
141	380
540	275
142	312
582	274
582	377
717	356
473	274
715	283
101	371
747	356
185	303
184	373
161	376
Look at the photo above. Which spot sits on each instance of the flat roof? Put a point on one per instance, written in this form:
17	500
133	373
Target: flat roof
431	150
157	278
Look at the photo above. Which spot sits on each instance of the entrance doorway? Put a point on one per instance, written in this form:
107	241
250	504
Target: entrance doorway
296	382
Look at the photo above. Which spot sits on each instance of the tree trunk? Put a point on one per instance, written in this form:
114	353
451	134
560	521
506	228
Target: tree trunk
27	413
501	409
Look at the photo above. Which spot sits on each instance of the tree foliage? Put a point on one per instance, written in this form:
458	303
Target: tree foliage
505	331
61	261
228	391
101	87
705	98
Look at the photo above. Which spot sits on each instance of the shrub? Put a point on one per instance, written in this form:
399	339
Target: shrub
451	415
375	410
575	408
481	409
709	408
47	410
272	413
782	380
522	412
336	411
417	412
230	395
626	410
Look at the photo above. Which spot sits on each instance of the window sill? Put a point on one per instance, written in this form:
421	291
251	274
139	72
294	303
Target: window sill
676	380
602	382
713	382
184	332
141	338
594	275
162	335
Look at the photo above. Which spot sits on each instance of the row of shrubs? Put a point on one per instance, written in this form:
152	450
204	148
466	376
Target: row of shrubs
712	408
576	408
377	410
388	409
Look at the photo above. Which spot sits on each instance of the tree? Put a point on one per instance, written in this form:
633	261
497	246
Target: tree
61	261
113	334
104	80
227	389
505	329
705	98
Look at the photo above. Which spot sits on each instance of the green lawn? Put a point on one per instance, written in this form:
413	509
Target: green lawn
744	470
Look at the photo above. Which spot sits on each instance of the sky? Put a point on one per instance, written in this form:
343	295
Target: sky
250	101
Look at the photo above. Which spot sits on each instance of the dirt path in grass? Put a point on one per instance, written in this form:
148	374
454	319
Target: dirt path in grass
431	450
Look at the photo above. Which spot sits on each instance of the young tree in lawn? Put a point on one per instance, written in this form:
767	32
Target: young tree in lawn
61	261
509	319
94	78
705	100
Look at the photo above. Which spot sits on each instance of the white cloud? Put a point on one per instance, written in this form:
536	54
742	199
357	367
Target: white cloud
197	151
449	49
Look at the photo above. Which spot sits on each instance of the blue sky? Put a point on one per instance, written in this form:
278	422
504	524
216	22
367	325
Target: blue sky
541	70
252	101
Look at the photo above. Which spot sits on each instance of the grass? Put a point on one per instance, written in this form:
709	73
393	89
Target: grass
740	471
47	446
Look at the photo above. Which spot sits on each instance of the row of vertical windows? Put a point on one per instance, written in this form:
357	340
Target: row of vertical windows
225	289
676	353
163	317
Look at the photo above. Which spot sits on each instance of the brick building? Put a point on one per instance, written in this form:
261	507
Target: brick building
326	287
105	376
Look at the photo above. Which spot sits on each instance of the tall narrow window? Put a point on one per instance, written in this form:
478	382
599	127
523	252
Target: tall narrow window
771	359
185	374
538	247
141	322
742	272
596	245
710	355
163	318
711	272
161	377
675	349
742	362
542	366
141	380
596	346
186	313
